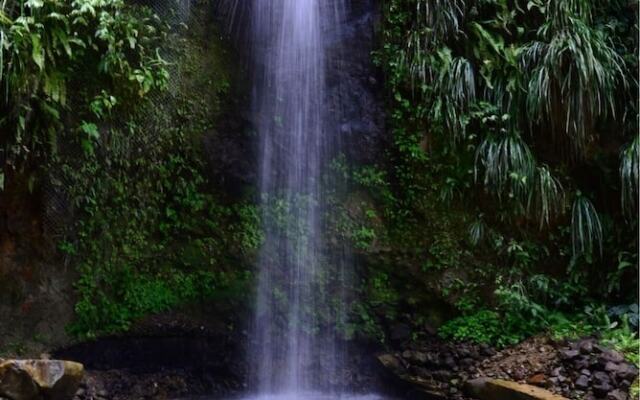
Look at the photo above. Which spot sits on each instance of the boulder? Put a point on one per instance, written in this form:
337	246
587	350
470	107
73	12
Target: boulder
39	379
498	389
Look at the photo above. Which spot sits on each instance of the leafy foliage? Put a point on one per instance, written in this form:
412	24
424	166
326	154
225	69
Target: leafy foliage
85	103
47	48
586	227
507	110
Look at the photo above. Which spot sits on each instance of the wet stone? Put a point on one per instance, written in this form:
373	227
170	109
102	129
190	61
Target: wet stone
617	395
602	389
569	354
582	382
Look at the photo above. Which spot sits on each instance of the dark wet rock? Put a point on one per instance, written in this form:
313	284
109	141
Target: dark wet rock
617	395
392	363
610	356
415	356
586	346
449	362
627	371
569	354
582	382
600	377
602	389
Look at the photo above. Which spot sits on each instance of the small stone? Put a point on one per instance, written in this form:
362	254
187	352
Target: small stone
585	372
420	357
586	346
582	382
442	375
627	371
392	363
600	377
449	362
569	354
611	366
537	380
582	362
601	390
612	355
616	395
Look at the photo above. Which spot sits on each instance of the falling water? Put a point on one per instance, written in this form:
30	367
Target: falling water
289	110
293	353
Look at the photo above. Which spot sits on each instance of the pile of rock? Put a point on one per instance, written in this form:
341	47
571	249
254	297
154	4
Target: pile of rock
39	379
592	371
581	369
435	369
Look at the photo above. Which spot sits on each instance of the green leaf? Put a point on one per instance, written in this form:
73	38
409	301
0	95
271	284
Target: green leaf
37	52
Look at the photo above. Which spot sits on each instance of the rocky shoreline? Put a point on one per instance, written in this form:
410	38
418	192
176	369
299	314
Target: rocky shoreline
579	369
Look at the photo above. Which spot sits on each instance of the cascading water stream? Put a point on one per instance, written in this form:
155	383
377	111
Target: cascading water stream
288	111
292	352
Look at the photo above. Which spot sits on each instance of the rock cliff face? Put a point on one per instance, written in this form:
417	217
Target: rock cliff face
36	289
355	85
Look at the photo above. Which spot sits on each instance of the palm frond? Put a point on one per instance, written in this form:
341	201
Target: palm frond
586	229
629	176
507	165
546	198
441	18
477	231
574	72
455	87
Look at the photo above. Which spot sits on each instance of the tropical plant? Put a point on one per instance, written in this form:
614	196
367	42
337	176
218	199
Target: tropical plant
55	52
529	102
586	229
574	73
546	197
508	165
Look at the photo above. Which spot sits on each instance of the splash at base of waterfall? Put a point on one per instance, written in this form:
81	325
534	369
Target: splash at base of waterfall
313	396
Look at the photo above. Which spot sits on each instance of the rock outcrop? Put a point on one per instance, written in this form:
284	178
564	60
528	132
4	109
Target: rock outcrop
39	379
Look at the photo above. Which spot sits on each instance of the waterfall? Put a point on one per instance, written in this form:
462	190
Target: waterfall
293	352
289	110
